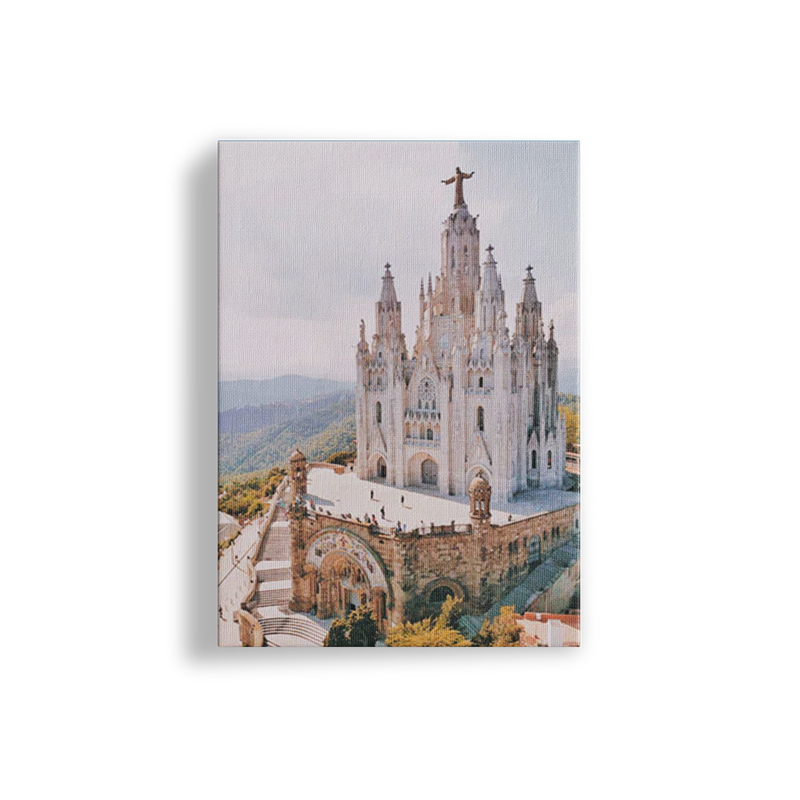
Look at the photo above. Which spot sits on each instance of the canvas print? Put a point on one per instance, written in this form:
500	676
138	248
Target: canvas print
399	394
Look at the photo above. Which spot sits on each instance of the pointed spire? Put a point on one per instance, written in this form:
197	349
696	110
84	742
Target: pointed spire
529	298
490	284
552	328
422	287
388	295
430	284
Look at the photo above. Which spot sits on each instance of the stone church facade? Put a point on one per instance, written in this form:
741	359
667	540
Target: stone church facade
471	396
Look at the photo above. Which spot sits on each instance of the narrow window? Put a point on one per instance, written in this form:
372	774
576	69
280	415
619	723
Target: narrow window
480	383
480	418
429	435
378	414
549	459
533	459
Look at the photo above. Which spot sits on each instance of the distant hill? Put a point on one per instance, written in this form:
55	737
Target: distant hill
239	394
260	437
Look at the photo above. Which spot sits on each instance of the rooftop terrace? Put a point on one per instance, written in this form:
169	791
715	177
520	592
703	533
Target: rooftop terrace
346	494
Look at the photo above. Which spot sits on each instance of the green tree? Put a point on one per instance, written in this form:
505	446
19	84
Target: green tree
343	457
255	509
357	629
503	631
449	615
483	638
424	634
363	628
338	634
439	632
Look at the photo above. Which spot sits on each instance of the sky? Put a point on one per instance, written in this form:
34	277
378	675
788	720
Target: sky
306	227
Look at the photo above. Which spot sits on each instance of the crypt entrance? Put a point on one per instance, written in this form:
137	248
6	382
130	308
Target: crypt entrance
346	575
343	586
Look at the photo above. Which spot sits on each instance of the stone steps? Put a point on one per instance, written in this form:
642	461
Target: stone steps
274	593
298	627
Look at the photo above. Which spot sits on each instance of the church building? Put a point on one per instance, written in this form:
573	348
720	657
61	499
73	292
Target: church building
472	397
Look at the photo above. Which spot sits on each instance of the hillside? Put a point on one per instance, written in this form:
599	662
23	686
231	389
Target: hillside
262	437
239	394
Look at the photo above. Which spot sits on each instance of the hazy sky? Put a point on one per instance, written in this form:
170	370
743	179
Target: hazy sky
306	227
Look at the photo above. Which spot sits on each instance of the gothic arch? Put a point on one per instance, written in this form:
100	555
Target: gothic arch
415	476
377	466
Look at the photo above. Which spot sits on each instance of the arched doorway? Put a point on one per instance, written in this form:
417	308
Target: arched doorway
378	467
343	575
428	603
440	594
344	586
430	472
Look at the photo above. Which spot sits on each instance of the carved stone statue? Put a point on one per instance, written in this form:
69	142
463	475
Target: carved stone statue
459	179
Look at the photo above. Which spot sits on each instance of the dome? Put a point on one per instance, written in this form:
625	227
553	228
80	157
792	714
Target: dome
479	482
296	456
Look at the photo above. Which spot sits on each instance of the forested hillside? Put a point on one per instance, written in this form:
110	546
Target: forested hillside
254	439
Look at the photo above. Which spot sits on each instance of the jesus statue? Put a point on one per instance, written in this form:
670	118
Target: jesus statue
459	179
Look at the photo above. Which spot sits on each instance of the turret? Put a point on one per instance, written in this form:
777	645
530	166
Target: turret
298	473
480	495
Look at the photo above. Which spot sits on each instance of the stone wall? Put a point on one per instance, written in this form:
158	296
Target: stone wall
478	564
250	633
485	564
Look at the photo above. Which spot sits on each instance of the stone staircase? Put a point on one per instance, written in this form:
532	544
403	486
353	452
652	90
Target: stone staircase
291	630
275	546
273	593
274	571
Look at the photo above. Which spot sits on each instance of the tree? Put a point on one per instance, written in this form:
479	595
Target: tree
424	634
449	615
357	629
503	631
440	632
255	509
337	634
343	457
363	628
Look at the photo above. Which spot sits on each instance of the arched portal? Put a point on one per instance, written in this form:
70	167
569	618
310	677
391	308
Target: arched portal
348	575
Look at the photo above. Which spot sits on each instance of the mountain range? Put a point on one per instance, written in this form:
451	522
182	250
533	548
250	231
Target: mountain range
239	394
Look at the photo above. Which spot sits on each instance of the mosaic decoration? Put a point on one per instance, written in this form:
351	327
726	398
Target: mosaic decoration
336	541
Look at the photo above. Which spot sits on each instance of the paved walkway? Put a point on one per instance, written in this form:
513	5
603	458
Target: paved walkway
341	494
